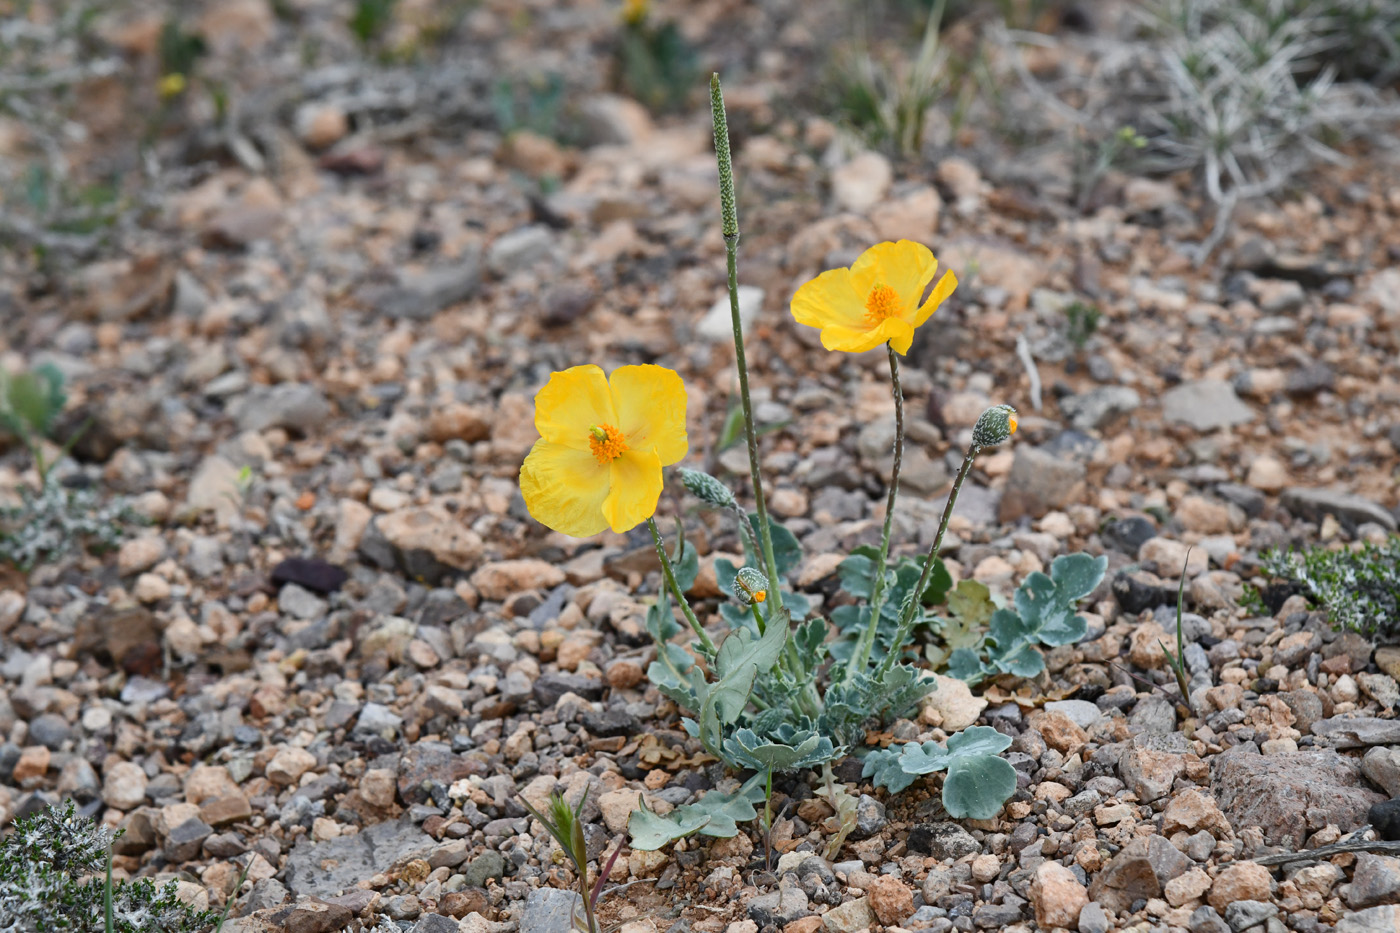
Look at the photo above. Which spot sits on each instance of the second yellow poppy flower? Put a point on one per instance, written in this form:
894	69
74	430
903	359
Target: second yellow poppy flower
876	300
603	442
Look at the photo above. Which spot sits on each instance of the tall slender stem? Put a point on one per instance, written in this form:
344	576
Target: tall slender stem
861	656
913	606
730	218
675	589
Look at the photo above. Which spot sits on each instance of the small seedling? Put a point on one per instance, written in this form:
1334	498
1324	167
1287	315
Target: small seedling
566	826
1177	661
1081	321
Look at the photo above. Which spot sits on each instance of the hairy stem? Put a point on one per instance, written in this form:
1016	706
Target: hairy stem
730	218
675	589
861	656
913	606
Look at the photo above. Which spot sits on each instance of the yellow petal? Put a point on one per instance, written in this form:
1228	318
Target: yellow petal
940	292
636	487
572	402
905	266
830	298
565	488
650	402
852	340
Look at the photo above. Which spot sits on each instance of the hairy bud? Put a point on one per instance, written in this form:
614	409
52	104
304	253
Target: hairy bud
750	586
707	489
994	426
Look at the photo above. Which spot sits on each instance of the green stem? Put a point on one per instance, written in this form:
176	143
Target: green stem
730	219
675	588
913	607
861	656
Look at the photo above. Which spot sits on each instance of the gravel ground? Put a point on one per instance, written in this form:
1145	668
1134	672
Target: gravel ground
346	670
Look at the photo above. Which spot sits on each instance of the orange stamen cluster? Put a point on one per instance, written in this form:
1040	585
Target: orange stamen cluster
882	304
606	442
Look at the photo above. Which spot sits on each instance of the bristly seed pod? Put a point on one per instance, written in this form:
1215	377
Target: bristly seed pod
994	426
707	489
750	586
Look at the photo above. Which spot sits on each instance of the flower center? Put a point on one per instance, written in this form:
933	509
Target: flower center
882	304
606	442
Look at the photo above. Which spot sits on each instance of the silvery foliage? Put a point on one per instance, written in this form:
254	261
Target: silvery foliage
56	521
52	872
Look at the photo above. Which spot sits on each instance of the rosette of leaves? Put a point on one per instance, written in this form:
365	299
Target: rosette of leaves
1359	588
1044	614
978	782
785	748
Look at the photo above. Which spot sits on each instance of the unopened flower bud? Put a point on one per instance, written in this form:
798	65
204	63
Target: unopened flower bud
707	489
994	426
750	586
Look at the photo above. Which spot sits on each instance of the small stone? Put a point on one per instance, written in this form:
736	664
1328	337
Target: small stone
488	866
1381	766
1057	896
1384	919
1139	871
1240	881
1191	811
952	706
942	840
1206	406
289	764
1152	764
1093	919
1376	880
870	817
1038	482
718	323
496	581
861	183
891	900
140	554
852	916
314	915
1186	888
124	785
1060	732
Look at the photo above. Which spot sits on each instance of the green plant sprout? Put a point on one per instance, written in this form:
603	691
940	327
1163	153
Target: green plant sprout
1177	662
1081	322
777	695
566	826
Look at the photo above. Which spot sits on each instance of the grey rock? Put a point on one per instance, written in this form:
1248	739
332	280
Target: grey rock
1384	919
1375	881
548	910
551	686
1141	870
1200	845
520	249
1155	714
378	719
1093	919
780	907
185	840
1128	535
300	603
1348	508
1242	915
1081	712
942	840
1290	795
295	406
334	865
435	923
996	916
486	866
870	816
269	892
1358	731
50	729
1097	407
1204	919
1039	482
206	557
419	295
1381	766
1205	405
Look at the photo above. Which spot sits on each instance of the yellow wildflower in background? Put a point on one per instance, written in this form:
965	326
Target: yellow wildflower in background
876	300
603	442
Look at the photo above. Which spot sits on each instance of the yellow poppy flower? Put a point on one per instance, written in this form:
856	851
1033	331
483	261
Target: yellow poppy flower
603	442
876	300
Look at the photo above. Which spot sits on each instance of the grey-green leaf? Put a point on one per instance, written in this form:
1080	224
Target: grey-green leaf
977	786
650	832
